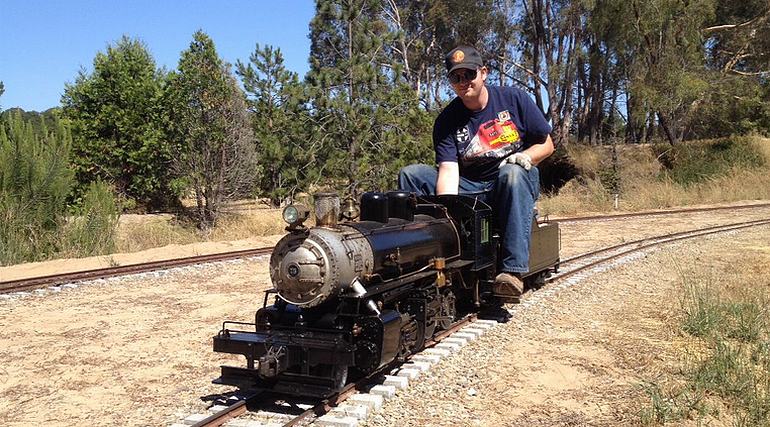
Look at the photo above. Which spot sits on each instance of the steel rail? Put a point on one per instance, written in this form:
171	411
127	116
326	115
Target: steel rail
231	412
327	404
639	241
661	212
324	406
654	241
101	273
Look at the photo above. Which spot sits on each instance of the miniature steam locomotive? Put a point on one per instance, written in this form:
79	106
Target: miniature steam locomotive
353	296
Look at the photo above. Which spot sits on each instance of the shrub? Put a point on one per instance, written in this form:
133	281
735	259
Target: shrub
92	230
692	163
35	181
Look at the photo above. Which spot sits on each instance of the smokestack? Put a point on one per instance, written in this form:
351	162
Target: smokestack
327	209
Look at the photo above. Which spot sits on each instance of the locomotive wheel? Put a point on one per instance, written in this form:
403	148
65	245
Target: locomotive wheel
338	374
448	309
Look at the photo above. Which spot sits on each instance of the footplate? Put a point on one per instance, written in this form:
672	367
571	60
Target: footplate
273	360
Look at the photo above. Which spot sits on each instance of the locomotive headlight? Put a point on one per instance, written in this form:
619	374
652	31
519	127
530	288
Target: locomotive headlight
295	215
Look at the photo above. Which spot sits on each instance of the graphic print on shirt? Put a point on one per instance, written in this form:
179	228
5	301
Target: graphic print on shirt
494	139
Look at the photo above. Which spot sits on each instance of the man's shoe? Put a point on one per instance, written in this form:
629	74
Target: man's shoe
508	287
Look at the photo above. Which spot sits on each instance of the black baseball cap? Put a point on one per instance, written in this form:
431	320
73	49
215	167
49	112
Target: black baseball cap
463	57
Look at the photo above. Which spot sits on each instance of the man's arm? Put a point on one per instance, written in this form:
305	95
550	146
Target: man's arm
537	152
448	181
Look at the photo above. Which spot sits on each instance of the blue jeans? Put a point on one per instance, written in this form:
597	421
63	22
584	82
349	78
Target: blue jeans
512	198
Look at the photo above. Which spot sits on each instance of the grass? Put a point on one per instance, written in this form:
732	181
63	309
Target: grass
161	230
702	172
725	361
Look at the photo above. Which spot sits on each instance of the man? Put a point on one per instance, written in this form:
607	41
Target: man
488	141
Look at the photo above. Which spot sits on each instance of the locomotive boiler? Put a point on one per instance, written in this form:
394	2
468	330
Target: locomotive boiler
350	297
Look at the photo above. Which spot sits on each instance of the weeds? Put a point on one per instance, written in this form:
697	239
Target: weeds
726	362
672	404
649	178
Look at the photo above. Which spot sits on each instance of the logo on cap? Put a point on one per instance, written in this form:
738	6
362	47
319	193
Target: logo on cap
458	56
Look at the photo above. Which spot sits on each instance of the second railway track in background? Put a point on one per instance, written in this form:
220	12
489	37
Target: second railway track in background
587	260
27	284
32	283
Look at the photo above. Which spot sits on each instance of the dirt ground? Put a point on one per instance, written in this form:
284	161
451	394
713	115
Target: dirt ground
138	351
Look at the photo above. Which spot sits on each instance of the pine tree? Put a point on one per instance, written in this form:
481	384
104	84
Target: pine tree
117	126
209	126
282	124
366	111
35	181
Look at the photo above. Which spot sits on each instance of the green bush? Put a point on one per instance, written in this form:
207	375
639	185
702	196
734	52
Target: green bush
35	181
35	184
92	230
692	163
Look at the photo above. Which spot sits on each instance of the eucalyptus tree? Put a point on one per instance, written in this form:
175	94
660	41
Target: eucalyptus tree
424	31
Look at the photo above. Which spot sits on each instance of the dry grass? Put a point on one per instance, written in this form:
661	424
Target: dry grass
723	373
643	185
141	232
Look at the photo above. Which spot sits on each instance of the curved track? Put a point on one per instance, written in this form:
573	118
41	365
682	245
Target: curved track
657	213
585	261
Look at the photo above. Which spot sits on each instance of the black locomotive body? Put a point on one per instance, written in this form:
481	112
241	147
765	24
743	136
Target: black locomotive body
354	296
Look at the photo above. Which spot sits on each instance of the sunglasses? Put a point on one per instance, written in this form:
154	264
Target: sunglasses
462	76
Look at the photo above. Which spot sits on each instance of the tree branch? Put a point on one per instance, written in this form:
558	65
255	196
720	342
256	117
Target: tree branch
731	26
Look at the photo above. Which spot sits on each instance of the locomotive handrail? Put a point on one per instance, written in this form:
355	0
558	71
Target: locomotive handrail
226	331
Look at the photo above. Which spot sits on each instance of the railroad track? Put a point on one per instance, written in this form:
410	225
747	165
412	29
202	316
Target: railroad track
658	213
255	401
571	267
588	260
28	284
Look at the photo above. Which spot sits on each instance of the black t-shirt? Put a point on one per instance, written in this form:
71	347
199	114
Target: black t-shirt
479	140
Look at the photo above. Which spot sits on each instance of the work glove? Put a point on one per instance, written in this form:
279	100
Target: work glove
521	159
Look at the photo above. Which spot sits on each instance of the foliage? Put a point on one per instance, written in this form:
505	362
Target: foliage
724	369
213	144
702	161
34	184
117	134
367	116
92	229
733	105
283	127
645	183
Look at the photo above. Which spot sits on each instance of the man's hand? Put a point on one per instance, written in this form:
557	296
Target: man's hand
521	159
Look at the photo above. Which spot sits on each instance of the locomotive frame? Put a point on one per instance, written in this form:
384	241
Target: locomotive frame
352	297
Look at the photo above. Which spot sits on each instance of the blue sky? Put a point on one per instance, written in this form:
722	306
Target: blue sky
43	44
